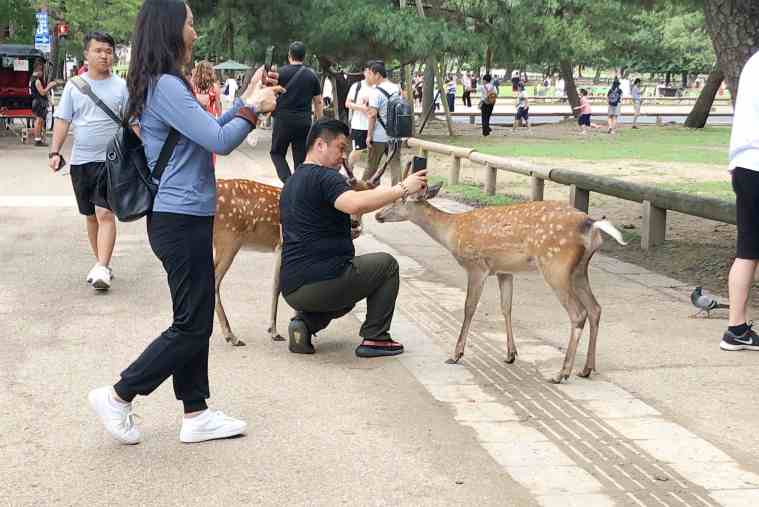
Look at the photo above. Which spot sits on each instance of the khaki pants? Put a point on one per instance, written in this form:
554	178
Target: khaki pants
375	157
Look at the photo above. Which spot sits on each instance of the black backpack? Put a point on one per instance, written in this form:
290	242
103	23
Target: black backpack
399	115
615	96
131	189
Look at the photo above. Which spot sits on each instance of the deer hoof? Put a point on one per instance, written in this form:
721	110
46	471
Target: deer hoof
452	360
510	358
277	338
585	373
559	379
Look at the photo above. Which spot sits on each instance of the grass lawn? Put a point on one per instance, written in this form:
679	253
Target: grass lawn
474	194
658	144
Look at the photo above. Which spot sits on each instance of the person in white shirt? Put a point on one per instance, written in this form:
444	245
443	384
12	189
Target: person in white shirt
230	88
357	103
377	139
744	164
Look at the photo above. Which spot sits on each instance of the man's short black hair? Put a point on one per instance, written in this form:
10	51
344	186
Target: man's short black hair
297	51
487	78
327	129
100	37
378	67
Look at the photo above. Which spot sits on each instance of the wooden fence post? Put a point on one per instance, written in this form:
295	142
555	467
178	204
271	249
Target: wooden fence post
654	225
490	177
579	198
455	171
537	185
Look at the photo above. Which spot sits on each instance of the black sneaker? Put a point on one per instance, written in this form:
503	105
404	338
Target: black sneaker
300	338
747	341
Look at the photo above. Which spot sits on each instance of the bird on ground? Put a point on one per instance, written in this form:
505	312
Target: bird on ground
705	302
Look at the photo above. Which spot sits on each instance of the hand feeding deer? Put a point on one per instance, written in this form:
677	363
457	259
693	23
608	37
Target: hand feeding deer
552	237
247	217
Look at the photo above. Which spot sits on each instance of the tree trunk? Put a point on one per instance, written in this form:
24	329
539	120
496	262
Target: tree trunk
569	85
700	112
597	77
443	101
667	79
733	26
685	80
488	60
428	92
579	71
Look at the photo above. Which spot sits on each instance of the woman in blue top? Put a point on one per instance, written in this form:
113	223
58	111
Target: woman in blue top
180	228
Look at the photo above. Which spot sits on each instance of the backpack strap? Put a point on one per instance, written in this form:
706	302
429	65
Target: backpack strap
296	75
166	151
358	88
379	117
84	87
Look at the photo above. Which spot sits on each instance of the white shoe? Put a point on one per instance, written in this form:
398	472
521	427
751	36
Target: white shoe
117	417
210	425
101	278
92	272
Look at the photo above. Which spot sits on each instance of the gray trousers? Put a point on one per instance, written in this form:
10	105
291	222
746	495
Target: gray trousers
373	277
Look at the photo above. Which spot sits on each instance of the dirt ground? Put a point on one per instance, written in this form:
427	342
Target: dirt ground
696	252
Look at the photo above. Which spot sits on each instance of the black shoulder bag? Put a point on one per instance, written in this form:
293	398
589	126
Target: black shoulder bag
131	188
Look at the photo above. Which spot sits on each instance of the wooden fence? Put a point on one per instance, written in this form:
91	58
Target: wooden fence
654	201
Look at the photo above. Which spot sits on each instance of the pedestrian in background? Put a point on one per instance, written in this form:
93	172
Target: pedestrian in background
488	97
377	140
585	111
93	130
292	119
614	97
357	102
450	93
744	164
522	116
466	96
180	227
637	101
206	87
40	90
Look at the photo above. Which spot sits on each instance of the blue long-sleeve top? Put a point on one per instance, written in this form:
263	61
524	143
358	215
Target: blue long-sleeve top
188	184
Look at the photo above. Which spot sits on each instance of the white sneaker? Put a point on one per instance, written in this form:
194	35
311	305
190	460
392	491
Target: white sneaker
117	417
92	272
101	278
210	425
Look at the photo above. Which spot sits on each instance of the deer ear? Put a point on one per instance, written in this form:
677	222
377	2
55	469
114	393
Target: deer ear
433	190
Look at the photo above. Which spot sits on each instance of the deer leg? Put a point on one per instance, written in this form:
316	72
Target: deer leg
223	258
275	336
475	283
562	286
506	286
588	300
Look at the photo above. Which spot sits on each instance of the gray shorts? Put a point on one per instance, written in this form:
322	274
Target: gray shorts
615	110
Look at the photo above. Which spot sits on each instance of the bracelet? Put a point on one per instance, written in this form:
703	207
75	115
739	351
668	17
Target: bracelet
53	154
404	188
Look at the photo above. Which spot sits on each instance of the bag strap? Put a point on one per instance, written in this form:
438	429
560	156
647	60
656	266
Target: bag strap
358	88
297	74
85	88
166	151
379	117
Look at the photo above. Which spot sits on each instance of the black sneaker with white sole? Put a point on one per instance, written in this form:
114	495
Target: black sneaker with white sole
747	341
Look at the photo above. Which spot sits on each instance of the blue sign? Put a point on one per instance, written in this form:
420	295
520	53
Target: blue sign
42	35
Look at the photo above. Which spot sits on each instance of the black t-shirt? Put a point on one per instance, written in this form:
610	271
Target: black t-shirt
317	242
296	103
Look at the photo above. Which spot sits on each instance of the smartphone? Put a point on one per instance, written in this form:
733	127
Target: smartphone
268	59
418	164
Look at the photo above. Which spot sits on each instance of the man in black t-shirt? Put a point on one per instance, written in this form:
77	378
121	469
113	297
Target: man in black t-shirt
321	277
292	118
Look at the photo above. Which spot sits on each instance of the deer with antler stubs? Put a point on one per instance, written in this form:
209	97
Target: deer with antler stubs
552	237
247	217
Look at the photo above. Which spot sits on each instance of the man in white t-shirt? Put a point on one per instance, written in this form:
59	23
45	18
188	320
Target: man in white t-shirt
230	89
744	164
377	140
357	103
93	130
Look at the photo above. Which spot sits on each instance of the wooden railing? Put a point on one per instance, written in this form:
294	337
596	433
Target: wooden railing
655	202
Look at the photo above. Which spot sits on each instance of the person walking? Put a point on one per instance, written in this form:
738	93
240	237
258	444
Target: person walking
614	97
744	164
488	97
466	96
377	140
40	91
322	278
357	102
585	111
180	227
93	130
292	119
522	116
637	101
450	93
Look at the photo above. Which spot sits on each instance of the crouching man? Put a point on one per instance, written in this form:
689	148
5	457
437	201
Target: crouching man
321	277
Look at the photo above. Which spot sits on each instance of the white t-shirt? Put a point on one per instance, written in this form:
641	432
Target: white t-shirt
744	139
359	120
378	100
93	128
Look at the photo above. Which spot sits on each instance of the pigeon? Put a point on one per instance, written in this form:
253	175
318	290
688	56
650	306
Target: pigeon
705	302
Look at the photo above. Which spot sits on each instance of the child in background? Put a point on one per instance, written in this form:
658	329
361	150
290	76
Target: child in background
585	111
523	109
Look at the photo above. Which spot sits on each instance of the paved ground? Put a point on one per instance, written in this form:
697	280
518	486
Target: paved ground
669	420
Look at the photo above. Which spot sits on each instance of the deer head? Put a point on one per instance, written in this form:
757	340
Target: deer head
399	211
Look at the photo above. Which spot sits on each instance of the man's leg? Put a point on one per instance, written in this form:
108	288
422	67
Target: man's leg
739	285
375	156
300	136
92	233
106	235
280	140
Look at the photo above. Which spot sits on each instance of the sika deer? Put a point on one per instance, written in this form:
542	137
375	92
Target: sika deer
549	236
247	217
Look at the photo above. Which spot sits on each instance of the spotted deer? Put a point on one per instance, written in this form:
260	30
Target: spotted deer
247	217
552	237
